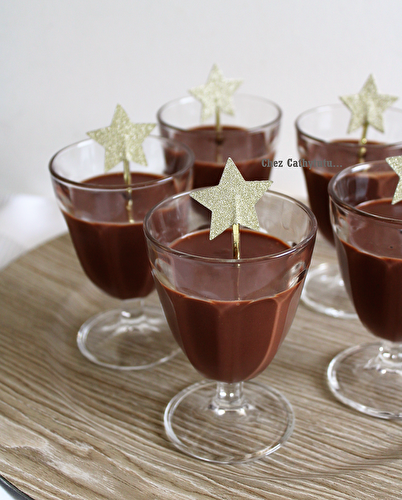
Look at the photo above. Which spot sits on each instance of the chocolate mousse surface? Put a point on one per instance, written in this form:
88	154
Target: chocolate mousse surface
247	148
327	159
371	265
112	251
230	319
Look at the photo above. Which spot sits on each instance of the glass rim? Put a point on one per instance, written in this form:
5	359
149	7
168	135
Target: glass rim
122	187
346	145
190	98
360	167
215	260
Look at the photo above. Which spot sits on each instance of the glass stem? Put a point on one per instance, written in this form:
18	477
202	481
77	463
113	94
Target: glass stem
229	396
131	310
391	353
388	359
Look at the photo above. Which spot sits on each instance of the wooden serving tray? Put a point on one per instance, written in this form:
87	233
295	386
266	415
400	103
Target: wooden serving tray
72	430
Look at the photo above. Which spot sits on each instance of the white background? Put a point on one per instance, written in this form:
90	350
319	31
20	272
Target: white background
65	64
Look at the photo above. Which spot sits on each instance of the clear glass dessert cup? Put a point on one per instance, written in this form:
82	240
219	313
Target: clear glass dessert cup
229	318
325	148
368	377
249	136
105	217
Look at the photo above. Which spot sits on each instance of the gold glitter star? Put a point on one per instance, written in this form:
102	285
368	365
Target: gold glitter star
232	201
123	139
216	93
367	106
395	162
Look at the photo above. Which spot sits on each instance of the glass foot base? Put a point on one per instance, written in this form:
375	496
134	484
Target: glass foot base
132	343
258	427
325	292
360	378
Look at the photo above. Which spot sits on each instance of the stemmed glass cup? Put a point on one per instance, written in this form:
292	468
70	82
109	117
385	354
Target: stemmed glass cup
249	136
229	317
368	238
325	149
105	220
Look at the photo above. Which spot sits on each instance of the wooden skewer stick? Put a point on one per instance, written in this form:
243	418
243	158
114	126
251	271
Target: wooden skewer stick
219	135
127	180
363	142
236	240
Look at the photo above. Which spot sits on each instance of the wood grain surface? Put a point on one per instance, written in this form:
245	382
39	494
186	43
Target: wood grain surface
72	430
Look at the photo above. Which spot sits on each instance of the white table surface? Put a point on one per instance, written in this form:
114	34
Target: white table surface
26	221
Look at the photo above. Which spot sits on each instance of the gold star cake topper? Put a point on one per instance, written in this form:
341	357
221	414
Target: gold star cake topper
395	162
232	201
122	140
217	94
367	106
